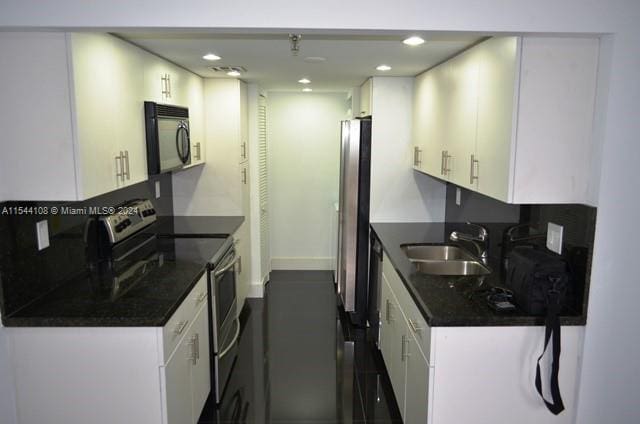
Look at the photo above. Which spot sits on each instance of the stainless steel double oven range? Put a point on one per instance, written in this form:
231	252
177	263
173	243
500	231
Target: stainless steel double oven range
223	316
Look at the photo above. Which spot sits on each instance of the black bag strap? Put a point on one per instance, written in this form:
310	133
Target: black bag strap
552	328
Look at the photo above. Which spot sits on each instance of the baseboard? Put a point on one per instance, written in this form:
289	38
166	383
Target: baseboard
302	264
256	290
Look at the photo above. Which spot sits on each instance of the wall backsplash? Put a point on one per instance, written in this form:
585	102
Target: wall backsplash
21	264
579	223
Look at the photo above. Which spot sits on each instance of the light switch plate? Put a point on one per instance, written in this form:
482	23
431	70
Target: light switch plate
554	237
42	232
458	195
157	189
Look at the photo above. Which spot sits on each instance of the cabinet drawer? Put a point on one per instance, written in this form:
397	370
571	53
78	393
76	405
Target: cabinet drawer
178	324
410	311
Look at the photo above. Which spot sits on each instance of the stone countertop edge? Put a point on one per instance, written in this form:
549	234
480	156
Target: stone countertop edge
107	322
495	319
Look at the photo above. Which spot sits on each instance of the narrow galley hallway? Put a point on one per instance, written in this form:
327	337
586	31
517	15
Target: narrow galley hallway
300	361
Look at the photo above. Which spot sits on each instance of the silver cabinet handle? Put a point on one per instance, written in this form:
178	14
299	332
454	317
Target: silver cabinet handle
389	307
166	85
417	160
446	168
202	296
442	160
199	156
414	326
239	264
405	352
475	164
244	150
126	161
119	174
244	175
194	343
180	327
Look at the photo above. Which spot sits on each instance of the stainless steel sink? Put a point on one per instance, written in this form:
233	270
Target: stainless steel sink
425	252
444	260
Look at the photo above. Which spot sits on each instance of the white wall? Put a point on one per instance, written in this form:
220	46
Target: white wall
397	192
304	168
610	389
214	189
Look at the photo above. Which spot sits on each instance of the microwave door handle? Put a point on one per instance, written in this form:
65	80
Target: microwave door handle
226	268
187	144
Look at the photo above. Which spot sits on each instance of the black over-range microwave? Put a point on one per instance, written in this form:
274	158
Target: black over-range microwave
168	143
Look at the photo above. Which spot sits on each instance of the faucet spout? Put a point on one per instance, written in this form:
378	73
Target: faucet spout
480	241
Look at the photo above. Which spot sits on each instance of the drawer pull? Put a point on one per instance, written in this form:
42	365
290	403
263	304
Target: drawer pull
404	354
180	327
202	296
414	326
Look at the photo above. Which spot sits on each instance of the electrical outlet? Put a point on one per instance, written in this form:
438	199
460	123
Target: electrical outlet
42	232
554	237
157	189
458	195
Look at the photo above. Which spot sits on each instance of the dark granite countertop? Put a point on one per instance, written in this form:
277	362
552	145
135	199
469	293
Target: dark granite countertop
146	296
199	226
452	301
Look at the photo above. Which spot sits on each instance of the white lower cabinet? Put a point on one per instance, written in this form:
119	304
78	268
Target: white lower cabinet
106	375
452	375
186	378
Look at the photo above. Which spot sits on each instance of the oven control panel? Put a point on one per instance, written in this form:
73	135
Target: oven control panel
129	218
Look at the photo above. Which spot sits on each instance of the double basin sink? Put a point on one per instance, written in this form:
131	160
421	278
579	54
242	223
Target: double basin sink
444	260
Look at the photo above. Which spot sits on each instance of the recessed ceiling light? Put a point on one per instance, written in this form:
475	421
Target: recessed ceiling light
383	68
233	73
306	90
211	56
413	41
304	81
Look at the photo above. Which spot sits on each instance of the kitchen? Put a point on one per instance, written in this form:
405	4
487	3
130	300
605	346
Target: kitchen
445	194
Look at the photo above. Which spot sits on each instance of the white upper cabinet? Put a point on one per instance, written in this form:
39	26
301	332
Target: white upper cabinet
167	83
73	116
513	118
108	102
72	111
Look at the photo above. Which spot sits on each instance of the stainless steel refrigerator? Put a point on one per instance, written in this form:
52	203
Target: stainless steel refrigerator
353	223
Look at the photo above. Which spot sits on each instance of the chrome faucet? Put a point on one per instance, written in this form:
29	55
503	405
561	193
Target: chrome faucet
481	241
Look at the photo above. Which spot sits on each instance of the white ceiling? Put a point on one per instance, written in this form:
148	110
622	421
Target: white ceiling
351	58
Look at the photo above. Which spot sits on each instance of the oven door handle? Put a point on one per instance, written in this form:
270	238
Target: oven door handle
233	341
226	268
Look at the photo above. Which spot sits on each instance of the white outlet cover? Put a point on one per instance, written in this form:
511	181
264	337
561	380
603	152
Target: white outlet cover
554	237
42	232
157	189
458	195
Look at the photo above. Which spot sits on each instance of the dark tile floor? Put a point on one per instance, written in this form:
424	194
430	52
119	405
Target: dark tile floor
300	361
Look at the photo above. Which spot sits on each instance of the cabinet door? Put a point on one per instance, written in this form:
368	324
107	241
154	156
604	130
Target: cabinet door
244	130
200	372
395	345
386	329
194	92
497	62
417	392
107	76
164	82
177	384
243	247
462	117
430	120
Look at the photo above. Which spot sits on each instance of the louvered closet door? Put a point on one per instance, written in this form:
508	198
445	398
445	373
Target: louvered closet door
265	255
